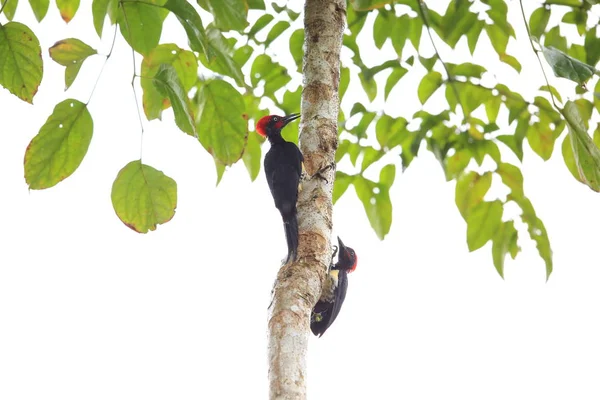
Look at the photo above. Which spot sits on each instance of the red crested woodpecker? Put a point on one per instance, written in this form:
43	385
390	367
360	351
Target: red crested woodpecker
334	290
283	168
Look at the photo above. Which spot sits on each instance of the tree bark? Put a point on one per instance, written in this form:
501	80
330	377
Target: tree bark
299	284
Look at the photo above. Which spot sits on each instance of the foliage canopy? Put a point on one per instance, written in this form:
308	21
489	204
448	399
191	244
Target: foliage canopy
483	121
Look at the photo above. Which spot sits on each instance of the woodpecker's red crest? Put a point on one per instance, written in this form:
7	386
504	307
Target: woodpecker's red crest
273	121
347	257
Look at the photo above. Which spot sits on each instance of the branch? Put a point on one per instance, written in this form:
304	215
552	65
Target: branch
299	284
451	79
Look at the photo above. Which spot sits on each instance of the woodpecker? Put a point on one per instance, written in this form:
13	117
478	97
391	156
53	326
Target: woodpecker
283	168
334	291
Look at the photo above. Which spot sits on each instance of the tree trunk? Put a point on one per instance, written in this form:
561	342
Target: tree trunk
298	285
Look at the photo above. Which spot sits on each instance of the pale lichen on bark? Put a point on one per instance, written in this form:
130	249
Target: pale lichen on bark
298	285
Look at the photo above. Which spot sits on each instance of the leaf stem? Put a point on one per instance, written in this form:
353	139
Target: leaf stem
2	7
112	46
537	54
137	105
451	80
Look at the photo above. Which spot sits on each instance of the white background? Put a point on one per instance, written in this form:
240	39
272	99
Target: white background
91	310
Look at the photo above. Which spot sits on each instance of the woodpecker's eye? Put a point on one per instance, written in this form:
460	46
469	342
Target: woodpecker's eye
275	119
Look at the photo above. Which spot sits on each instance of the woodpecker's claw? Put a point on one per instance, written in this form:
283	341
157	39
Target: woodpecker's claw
319	173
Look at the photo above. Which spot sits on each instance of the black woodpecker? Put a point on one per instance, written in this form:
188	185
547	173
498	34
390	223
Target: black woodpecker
283	168
334	291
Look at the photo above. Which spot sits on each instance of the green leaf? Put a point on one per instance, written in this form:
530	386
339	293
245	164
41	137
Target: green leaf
342	181
20	60
39	8
228	14
222	128
260	23
369	85
143	197
569	158
585	151
504	241
252	155
498	38
554	39
538	21
376	199
383	27
277	30
592	47
296	43
185	65
344	81
71	53
511	177
141	25
429	84
457	163
395	76
100	8
364	5
541	139
466	69
510	60
470	190
565	66
169	85
492	107
416	29
273	74
60	145
256	4
10	7
482	223
67	9
474	34
192	24
219	58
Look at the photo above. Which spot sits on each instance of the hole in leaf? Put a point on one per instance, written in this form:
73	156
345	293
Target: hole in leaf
376	190
60	125
173	52
72	104
372	201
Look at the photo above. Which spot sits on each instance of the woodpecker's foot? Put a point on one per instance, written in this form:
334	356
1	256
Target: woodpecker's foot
335	250
319	173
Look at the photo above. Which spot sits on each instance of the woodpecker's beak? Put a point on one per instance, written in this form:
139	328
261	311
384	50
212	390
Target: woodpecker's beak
342	247
289	118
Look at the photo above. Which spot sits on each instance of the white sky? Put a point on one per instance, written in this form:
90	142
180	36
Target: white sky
92	310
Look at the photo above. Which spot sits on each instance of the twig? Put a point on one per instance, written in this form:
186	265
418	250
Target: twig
451	79
137	105
2	7
536	51
112	46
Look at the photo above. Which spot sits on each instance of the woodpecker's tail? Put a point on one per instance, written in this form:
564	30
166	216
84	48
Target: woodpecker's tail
290	224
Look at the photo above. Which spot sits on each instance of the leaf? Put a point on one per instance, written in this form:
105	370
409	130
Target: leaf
60	145
498	38
364	5
273	74
185	65
511	177
344	81
20	60
276	30
510	60
143	197
592	47
585	151
482	223
260	23
10	7
67	9
228	14
169	85
565	66
71	53
470	190
100	8
541	139
504	241
395	76
382	27
296	49
457	163
218	56
192	24
141	25
252	155
429	84
342	181
376	199
221	126
538	21
467	69
369	85
39	8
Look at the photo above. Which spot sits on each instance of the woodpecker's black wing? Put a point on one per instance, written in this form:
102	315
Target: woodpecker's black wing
325	312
